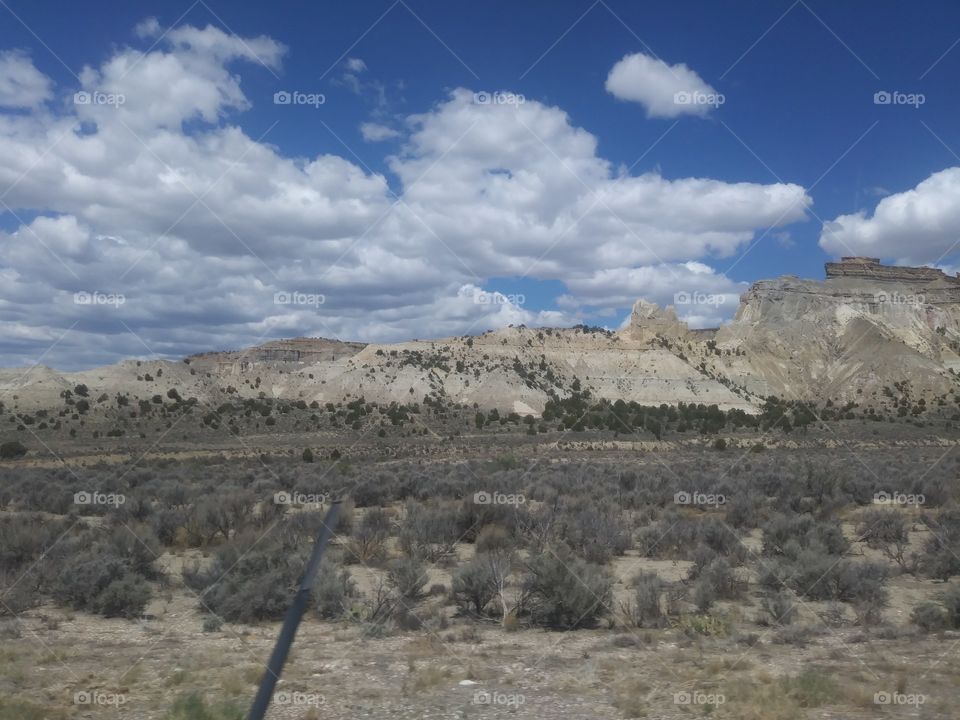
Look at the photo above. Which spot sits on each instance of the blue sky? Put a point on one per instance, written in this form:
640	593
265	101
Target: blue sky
589	185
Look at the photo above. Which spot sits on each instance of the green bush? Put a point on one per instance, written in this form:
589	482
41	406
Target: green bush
565	591
407	576
12	449
717	581
787	535
474	585
929	617
211	623
248	582
951	603
124	597
646	610
99	582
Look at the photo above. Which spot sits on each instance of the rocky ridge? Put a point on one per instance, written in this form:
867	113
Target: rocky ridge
866	334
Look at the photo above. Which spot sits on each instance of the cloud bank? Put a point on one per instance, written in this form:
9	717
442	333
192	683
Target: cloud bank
140	183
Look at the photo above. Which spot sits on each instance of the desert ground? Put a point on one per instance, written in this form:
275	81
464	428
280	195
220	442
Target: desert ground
487	573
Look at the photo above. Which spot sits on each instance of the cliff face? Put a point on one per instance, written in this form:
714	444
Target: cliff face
851	335
868	268
294	350
648	321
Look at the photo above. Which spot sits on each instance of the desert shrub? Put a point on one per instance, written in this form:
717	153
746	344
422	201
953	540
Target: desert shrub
101	584
137	546
12	449
885	529
429	531
597	533
744	512
646	609
717	581
333	590
822	577
25	538
194	707
863	585
494	538
939	558
246	581
780	608
788	534
565	591
474	586
368	542
473	517
676	536
929	617
126	597
17	593
701	557
165	524
951	603
811	688
371	493
407	577
211	623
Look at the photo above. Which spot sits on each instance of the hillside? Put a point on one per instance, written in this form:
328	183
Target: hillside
869	334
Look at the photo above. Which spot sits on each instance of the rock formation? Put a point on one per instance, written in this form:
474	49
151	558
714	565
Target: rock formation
868	268
648	321
863	330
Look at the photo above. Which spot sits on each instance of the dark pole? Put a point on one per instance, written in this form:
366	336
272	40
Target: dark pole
292	621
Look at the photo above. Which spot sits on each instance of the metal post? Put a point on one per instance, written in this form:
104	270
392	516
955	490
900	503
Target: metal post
292	621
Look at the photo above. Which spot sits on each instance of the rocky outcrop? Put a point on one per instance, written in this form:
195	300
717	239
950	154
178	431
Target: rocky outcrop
851	335
294	350
868	268
648	321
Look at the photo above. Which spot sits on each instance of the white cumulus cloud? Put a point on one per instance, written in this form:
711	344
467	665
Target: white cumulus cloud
666	91
21	84
920	225
166	200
